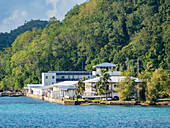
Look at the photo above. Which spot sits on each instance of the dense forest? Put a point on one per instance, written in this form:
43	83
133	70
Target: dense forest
6	39
116	31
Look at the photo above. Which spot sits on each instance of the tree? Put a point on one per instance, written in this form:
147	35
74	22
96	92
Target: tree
126	87
99	88
157	85
80	87
144	77
104	78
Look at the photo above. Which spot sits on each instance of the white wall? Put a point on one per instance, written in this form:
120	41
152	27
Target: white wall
48	78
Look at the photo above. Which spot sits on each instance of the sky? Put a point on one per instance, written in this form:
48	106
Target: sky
14	13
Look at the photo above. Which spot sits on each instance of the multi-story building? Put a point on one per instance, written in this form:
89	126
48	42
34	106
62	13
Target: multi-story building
110	87
52	77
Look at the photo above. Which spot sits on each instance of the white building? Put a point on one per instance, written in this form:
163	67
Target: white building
62	83
64	89
112	83
52	77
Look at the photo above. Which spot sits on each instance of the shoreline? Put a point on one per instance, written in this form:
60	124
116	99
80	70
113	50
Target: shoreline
74	102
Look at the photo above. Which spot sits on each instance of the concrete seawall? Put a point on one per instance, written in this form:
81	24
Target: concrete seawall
52	100
123	103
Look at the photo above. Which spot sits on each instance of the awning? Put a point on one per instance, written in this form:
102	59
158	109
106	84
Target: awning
67	88
89	92
45	87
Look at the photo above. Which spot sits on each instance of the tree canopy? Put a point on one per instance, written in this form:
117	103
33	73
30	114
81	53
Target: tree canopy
95	31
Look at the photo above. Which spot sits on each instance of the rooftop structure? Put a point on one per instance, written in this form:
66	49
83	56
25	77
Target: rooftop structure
104	65
109	67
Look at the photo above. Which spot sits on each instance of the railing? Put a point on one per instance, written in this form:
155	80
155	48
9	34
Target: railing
114	73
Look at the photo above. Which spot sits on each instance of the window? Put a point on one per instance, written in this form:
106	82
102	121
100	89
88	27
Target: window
46	77
107	87
52	82
62	77
52	77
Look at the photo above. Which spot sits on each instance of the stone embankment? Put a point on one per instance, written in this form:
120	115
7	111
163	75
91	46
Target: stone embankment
110	103
58	101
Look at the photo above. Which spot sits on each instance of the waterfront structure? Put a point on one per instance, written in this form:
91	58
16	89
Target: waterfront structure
31	87
110	89
64	89
62	83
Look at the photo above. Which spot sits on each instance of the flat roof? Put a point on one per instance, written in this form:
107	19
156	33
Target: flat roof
114	79
106	64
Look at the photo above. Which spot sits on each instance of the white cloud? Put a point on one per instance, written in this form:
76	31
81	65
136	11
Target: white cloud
53	2
53	12
61	7
13	21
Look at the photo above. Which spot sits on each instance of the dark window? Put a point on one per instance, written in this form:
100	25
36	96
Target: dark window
52	82
46	77
52	77
62	77
107	87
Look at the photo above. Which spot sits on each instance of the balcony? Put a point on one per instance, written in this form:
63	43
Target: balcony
114	73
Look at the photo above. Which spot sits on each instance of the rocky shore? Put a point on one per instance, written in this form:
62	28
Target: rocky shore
11	94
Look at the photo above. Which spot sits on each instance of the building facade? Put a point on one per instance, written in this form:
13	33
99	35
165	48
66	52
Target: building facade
110	87
52	77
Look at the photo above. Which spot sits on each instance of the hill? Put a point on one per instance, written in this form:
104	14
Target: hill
97	31
6	39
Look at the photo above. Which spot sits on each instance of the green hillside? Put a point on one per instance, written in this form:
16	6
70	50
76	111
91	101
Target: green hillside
96	31
6	39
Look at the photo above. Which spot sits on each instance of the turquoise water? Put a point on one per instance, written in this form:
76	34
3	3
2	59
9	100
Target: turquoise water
18	112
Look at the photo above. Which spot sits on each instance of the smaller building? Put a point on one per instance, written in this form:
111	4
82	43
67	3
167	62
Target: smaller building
31	87
64	89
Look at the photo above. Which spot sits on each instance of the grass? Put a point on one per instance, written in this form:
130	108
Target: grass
164	99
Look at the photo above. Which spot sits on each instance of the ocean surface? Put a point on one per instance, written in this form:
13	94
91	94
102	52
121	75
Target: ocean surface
21	112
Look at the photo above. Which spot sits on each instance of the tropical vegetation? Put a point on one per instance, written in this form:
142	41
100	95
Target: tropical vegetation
6	39
96	31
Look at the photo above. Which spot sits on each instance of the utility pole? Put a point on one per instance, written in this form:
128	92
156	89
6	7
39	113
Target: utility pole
127	63
58	64
138	66
82	64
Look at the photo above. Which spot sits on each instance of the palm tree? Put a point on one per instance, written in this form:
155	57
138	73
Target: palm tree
99	88
81	86
104	79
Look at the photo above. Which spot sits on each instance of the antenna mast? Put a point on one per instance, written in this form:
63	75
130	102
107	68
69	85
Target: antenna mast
138	66
58	64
